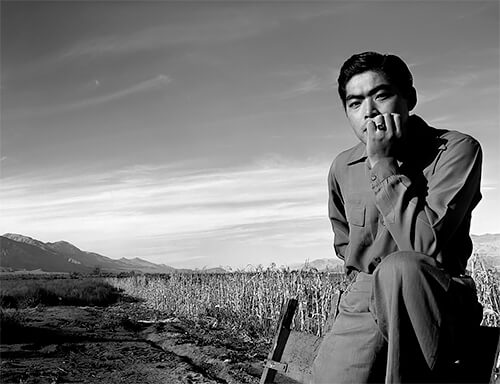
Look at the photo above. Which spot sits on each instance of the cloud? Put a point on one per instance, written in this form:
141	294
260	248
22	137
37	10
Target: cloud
300	82
144	86
303	87
144	202
207	25
202	32
448	85
489	184
199	28
441	120
480	8
169	213
195	25
479	76
158	82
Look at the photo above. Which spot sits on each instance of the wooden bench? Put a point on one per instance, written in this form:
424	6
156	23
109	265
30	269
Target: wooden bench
292	354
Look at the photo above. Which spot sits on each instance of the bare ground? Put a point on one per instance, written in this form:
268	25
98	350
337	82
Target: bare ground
124	343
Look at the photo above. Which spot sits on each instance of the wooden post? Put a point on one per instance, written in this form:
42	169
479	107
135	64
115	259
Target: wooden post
280	338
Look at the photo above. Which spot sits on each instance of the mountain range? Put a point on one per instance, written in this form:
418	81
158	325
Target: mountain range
23	253
18	252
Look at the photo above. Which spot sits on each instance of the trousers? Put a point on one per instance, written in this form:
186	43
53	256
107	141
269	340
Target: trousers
403	323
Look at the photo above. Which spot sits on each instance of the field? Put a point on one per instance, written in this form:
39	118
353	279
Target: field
115	339
253	301
247	301
178	328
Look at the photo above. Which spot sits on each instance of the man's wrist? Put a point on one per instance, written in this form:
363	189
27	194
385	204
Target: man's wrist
375	159
382	169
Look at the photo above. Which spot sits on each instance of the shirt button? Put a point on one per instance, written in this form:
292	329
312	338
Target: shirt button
374	177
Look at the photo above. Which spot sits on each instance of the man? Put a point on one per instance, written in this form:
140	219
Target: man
400	205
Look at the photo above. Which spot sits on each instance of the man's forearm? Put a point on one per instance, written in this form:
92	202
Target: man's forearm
423	218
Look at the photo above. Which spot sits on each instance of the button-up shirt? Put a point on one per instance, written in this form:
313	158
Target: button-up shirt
422	202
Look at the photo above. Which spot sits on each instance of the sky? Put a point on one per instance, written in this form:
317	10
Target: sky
200	133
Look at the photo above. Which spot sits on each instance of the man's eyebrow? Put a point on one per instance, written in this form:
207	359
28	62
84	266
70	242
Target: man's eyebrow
381	87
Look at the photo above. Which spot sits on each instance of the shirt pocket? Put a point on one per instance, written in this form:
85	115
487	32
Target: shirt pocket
356	215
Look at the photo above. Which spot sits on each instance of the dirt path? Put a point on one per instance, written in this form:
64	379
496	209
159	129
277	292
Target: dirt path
121	344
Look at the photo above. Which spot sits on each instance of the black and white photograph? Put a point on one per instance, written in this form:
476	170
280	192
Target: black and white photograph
249	191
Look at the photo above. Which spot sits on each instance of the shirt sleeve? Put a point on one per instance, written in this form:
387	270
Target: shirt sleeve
423	214
336	213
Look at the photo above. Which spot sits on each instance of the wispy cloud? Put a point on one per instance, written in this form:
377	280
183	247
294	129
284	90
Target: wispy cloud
453	83
489	184
448	84
140	38
152	84
311	84
480	8
209	25
300	83
143	86
156	37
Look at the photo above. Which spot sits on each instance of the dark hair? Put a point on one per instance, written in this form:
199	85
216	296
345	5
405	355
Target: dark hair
393	67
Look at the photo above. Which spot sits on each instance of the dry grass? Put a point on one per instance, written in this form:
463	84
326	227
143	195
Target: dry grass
488	290
253	301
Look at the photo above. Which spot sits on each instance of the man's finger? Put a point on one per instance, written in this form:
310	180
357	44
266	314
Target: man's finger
397	124
371	128
389	124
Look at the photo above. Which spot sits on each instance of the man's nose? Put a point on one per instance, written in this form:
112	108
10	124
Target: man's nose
370	109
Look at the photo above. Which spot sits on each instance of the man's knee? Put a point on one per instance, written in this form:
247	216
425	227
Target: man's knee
411	269
404	260
404	264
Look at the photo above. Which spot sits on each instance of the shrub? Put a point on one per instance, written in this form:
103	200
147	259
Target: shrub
30	293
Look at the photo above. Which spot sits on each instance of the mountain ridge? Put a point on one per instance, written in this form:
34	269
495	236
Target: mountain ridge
20	252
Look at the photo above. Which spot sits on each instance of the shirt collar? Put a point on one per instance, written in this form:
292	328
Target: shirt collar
357	154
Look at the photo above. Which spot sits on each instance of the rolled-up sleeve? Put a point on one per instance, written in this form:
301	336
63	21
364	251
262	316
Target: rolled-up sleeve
423	214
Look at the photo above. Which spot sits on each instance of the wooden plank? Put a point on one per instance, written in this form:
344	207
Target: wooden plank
300	352
279	340
334	311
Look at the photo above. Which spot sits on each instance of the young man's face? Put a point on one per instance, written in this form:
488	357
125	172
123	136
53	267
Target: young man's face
368	95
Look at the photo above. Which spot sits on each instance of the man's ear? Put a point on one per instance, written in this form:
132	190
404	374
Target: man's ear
412	98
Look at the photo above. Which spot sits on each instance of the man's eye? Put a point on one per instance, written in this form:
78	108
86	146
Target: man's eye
354	104
383	95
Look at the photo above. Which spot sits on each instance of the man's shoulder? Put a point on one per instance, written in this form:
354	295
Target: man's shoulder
456	136
338	168
457	140
448	136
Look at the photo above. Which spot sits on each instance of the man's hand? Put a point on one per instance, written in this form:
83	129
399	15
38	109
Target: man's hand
384	132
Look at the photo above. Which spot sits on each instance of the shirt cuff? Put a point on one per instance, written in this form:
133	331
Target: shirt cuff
383	169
